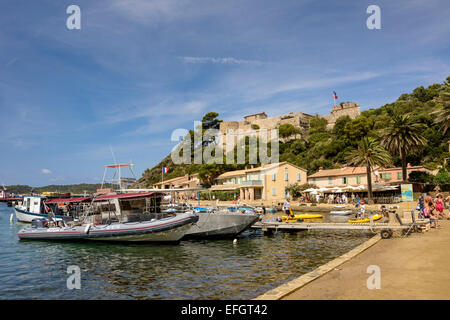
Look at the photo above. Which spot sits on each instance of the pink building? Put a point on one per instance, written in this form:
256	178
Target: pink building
342	177
355	176
390	175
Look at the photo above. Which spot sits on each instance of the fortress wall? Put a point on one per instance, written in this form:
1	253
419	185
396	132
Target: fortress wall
350	109
297	119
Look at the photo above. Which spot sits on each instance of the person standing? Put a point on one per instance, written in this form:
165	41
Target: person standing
447	200
362	210
439	206
432	215
428	198
263	208
287	209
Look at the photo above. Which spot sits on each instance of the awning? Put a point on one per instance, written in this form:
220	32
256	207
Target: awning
67	200
129	196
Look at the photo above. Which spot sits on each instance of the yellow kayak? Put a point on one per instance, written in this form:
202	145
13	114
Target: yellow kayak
375	218
303	216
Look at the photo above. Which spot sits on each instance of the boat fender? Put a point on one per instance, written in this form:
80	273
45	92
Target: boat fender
235	241
86	230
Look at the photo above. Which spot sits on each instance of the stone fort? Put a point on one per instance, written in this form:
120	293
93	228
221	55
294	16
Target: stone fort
255	122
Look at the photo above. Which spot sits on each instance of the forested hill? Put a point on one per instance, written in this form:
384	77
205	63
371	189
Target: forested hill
72	188
328	148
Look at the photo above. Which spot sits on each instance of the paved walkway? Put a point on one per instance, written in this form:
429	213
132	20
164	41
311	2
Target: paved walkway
415	267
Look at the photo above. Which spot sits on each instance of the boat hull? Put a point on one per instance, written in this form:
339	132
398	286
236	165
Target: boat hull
221	224
25	216
163	230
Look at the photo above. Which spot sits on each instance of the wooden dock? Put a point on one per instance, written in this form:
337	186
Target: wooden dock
385	228
265	226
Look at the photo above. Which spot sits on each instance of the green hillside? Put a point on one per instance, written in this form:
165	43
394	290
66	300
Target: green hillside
427	108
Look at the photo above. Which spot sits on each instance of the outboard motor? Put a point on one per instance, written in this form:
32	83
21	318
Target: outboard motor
39	223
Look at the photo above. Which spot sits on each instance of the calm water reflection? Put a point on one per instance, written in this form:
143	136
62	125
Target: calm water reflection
192	270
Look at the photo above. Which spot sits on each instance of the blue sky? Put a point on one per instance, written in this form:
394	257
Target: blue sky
137	70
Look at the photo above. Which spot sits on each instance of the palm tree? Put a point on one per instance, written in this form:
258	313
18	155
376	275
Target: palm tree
370	154
443	115
403	135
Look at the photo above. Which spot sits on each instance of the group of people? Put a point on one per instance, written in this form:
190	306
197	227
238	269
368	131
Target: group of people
337	198
433	209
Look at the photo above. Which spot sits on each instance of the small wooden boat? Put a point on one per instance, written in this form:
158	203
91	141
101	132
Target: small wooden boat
34	207
341	212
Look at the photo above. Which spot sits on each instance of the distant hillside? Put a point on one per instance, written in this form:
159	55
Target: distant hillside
327	148
72	188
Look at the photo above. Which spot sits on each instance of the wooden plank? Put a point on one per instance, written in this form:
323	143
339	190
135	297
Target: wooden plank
325	226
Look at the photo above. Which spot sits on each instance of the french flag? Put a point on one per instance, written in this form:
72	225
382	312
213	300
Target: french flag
165	170
334	95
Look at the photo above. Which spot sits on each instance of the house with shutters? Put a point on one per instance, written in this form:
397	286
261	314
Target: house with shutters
267	182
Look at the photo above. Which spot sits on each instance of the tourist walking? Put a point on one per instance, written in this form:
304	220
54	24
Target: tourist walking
439	206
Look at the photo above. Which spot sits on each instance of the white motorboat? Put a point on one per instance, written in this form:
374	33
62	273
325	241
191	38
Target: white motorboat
117	217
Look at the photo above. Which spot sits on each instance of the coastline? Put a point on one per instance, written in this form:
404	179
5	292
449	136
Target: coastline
414	267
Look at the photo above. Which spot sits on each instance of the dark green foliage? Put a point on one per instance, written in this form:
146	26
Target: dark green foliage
288	130
420	176
442	177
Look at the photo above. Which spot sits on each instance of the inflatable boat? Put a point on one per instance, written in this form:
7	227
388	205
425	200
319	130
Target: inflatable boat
168	229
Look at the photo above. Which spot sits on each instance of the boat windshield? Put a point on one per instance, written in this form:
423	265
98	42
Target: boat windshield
141	209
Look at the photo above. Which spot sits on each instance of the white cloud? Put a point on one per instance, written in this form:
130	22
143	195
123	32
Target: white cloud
228	60
166	109
46	171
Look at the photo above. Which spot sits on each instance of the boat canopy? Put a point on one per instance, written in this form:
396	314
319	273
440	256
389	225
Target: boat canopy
129	196
67	200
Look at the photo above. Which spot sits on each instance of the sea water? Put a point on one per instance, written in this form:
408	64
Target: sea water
194	269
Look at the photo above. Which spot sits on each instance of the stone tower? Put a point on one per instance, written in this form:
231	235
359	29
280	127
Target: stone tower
350	109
